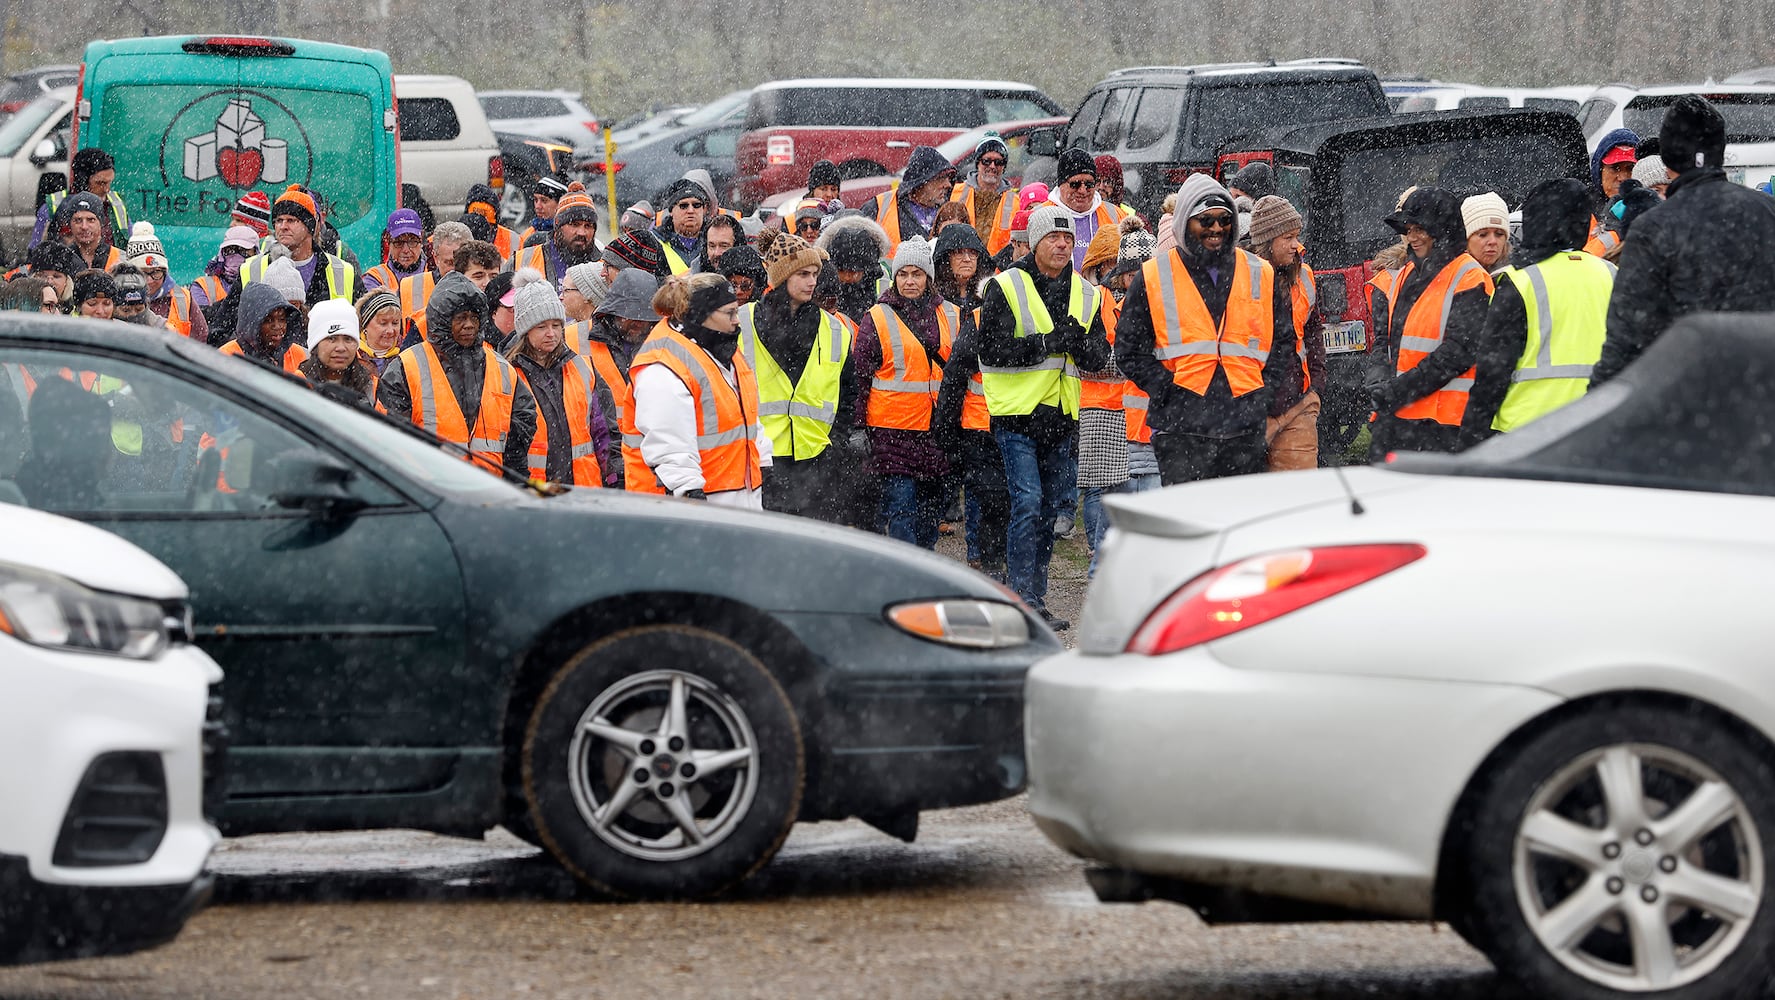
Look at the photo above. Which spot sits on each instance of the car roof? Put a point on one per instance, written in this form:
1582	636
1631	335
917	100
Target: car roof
528	93
1211	71
1309	138
893	83
1666	89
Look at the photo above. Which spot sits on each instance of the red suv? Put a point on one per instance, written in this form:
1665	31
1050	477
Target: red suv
865	126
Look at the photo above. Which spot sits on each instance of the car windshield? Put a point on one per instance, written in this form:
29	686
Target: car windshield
1224	112
20	127
436	467
717	109
1749	117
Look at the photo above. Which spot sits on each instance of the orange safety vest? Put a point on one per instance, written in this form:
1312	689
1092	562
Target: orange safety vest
87	379
1185	338
578	396
112	258
505	241
1424	328
887	215
726	421
533	256
903	393
293	356
1602	242
440	413
212	287
999	236
383	276
415	292
974	415
1100	392
178	311
604	363
1305	298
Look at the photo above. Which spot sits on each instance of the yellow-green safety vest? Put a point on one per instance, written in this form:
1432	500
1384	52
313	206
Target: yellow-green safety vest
119	221
1012	392
1567	300
673	260
798	418
340	274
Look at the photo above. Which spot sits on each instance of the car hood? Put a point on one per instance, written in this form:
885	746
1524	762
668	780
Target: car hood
84	554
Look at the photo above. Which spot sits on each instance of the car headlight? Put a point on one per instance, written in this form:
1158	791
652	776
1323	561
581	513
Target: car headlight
53	611
978	624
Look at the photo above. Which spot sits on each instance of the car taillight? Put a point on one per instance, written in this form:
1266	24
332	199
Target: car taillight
1256	590
233	45
597	166
591	124
496	172
9	107
779	150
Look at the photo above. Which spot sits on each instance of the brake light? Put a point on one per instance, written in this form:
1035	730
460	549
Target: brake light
1256	590
232	45
591	125
10	106
496	172
597	166
779	150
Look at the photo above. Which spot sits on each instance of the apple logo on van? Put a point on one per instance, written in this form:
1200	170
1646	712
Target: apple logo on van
241	138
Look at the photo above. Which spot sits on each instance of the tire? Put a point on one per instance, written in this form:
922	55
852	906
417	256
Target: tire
732	706
1596	816
514	204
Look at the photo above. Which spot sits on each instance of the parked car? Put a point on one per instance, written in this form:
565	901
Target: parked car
34	144
646	169
1398	88
1344	178
20	89
867	127
1523	689
1164	122
103	739
1454	97
1749	110
527	158
730	107
552	114
446	144
412	642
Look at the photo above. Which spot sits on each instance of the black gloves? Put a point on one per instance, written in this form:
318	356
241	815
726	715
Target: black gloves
1068	336
857	442
694	495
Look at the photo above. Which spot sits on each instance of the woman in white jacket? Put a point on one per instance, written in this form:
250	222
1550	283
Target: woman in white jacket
691	427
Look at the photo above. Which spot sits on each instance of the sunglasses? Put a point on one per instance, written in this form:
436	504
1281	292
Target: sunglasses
1088	184
808	225
993	161
688	204
1216	220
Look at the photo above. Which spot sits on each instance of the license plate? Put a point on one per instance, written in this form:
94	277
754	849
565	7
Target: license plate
1346	338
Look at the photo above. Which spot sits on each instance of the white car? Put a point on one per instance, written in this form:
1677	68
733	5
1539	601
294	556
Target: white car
548	114
1749	110
105	724
1463	96
1525	690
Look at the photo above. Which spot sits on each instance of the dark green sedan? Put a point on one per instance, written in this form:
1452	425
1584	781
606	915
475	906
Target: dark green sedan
651	689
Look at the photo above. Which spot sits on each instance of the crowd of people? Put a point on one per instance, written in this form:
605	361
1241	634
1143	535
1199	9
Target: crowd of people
959	350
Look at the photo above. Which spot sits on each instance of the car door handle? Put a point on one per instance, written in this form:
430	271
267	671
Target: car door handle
898	144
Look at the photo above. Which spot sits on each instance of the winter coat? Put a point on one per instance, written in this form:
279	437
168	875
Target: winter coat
812	486
895	451
1611	139
360	377
257	301
464	368
1290	388
544	378
604	330
664	236
926	165
1001	347
1709	247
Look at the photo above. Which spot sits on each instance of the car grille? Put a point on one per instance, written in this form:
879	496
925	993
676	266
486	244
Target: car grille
215	757
119	814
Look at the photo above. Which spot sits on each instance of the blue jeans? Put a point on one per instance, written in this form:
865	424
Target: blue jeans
1042	478
1096	521
912	508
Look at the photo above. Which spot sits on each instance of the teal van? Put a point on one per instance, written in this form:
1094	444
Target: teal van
196	122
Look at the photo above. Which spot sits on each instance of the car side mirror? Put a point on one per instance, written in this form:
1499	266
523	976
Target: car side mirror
1043	142
316	483
48	151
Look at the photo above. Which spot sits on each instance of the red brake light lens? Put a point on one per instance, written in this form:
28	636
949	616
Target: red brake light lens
1262	588
227	45
496	172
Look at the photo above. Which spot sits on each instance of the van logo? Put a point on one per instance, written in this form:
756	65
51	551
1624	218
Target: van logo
237	150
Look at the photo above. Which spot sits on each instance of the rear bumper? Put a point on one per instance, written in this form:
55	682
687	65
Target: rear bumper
44	922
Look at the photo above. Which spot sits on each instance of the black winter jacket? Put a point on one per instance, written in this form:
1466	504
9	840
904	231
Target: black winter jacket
1001	347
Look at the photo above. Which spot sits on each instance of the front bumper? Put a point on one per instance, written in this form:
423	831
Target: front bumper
1326	789
44	922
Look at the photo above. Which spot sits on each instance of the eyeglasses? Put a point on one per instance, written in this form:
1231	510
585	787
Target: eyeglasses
993	161
49	305
1216	220
1088	184
691	203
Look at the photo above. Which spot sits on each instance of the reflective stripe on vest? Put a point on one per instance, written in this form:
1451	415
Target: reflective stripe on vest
1425	326
725	419
213	288
1566	298
1602	242
440	413
578	396
798	418
178	311
415	293
903	392
674	263
1186	339
612	375
340	274
1104	390
974	416
536	256
1055	379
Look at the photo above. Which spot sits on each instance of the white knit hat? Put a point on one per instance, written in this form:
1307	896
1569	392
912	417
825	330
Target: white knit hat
536	302
1485	211
1650	170
283	276
144	249
331	318
1048	219
915	252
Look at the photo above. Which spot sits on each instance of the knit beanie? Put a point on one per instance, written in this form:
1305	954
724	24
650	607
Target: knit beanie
549	186
575	206
1272	216
299	204
1693	135
1109	171
242	237
914	252
54	255
786	253
332	318
144	248
743	260
1020	226
536	302
1138	246
1049	219
823	173
636	216
373	303
92	284
1485	211
992	142
1075	161
1031	196
1103	248
283	276
253	211
634	249
1650	170
588	280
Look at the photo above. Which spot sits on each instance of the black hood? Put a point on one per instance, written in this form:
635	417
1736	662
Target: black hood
1435	209
926	165
1555	217
257	301
453	294
953	238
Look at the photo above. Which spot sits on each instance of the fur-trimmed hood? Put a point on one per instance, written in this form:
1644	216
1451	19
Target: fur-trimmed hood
856	239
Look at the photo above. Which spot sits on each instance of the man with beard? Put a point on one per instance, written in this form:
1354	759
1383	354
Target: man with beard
574	239
1203	335
911	209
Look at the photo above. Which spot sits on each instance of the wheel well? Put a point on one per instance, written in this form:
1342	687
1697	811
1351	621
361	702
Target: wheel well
766	638
1451	881
850	170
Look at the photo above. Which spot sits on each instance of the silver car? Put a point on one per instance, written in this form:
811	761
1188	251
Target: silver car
551	114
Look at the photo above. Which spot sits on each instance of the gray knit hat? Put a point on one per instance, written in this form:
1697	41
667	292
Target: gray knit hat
1650	170
1271	217
536	301
588	280
631	296
1048	219
283	276
915	252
